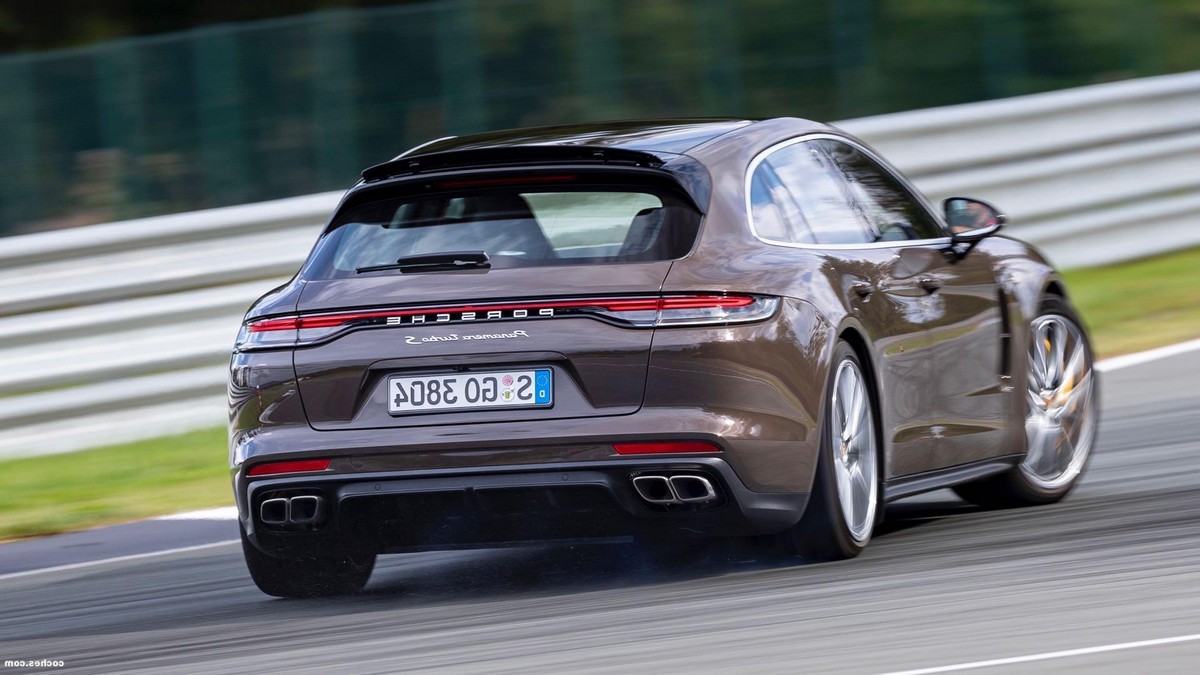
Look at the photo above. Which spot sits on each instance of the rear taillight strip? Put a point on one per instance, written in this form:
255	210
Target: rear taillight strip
608	304
632	312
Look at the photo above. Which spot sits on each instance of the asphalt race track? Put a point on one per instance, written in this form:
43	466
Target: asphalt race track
945	584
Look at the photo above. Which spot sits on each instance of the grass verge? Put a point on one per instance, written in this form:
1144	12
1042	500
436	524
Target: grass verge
1141	304
42	495
1129	307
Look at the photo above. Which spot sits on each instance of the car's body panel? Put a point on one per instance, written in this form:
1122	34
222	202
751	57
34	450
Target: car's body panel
772	426
757	420
597	369
971	379
940	331
280	300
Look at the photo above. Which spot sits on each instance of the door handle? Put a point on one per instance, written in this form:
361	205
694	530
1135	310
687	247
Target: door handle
862	289
930	284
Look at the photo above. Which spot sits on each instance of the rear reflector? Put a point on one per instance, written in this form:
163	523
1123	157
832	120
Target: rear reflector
663	447
298	466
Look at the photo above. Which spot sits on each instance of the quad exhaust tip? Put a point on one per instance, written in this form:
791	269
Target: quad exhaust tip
274	511
655	489
682	489
299	510
693	489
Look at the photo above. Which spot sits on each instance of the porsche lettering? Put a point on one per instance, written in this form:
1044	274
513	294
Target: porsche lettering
464	317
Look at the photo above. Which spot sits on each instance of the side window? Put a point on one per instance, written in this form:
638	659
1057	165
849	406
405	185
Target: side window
773	209
766	214
894	213
817	189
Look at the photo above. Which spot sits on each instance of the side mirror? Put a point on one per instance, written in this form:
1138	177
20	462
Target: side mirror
971	220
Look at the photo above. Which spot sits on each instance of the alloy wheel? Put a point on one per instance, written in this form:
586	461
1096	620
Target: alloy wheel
854	455
1061	422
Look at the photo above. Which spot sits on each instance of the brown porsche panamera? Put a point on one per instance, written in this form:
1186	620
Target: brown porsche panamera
658	331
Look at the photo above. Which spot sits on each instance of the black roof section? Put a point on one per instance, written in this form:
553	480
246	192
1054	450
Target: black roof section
502	156
674	136
638	142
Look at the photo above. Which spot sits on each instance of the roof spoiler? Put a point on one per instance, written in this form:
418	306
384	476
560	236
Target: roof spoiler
510	156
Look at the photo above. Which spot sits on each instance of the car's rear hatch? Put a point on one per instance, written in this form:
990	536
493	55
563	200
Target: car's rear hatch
574	260
596	368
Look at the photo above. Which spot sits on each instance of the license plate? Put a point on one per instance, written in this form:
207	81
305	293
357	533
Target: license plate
471	391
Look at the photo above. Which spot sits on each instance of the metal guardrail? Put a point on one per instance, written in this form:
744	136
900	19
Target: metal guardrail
121	331
1092	175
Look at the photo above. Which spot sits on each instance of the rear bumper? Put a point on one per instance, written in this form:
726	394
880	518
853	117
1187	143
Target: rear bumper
496	506
769	451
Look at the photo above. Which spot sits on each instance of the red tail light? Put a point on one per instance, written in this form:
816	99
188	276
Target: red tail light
297	466
663	447
630	312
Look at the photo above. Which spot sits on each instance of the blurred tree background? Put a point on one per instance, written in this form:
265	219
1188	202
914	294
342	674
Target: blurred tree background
116	109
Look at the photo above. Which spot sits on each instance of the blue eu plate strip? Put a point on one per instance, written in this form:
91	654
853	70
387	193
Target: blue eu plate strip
543	388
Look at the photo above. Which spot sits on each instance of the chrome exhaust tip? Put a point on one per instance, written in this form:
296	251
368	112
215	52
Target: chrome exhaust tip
655	489
693	489
274	511
306	509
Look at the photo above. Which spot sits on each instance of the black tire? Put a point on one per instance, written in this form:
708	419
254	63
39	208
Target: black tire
1013	488
822	533
307	577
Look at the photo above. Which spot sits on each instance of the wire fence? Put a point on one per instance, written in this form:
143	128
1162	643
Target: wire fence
230	114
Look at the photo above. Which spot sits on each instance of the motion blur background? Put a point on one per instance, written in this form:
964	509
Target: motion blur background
116	109
125	124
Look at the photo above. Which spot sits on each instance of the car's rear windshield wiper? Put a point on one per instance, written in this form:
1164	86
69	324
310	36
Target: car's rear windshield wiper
435	262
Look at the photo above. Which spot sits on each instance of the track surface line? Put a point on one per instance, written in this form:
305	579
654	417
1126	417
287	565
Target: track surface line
1138	358
118	559
1049	655
218	513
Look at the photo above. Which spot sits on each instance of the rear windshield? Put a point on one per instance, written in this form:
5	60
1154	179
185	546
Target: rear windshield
516	226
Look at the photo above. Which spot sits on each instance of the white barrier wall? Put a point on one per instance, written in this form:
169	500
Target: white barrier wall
122	331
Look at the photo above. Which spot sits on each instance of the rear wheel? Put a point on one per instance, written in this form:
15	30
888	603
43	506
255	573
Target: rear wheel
1061	419
844	505
309	576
